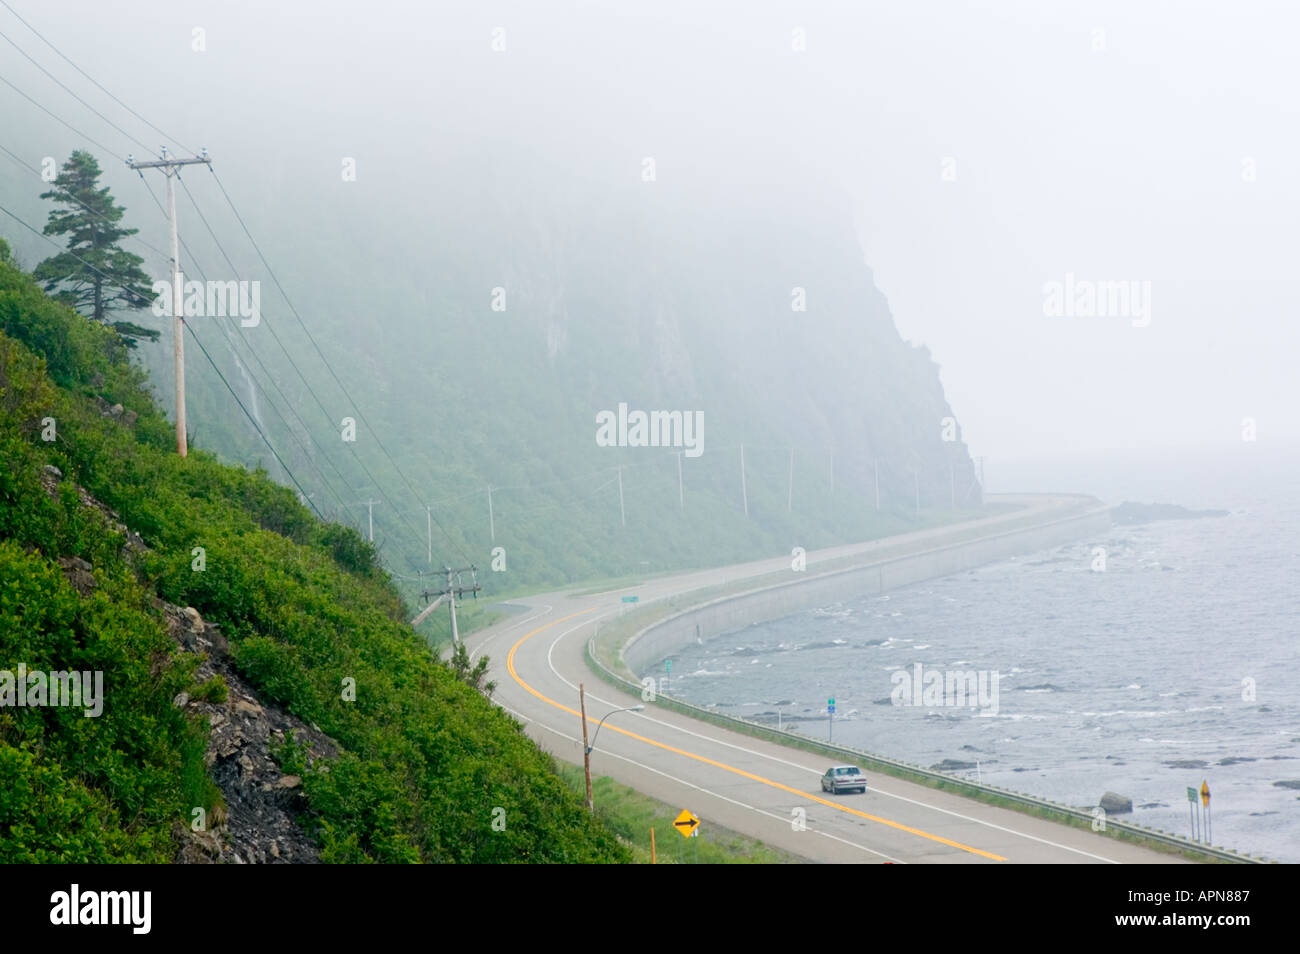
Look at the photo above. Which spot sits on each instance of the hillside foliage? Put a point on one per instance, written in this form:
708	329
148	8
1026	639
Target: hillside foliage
428	766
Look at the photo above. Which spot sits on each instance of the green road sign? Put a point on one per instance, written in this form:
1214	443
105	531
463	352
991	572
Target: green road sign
1191	794
629	599
830	706
668	665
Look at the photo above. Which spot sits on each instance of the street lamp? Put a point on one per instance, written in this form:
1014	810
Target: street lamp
586	748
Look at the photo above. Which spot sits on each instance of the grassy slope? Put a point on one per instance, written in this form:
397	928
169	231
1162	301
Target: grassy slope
631	815
428	760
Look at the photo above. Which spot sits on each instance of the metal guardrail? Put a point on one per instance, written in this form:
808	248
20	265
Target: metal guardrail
844	751
1020	798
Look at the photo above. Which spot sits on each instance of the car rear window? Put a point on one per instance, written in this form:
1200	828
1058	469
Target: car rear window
846	771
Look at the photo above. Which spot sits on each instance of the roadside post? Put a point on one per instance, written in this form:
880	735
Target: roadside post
830	719
1205	800
689	826
587	747
1191	811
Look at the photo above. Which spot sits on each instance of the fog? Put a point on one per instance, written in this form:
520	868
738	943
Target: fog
980	152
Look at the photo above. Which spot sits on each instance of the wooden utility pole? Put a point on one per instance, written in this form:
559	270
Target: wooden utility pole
451	591
170	167
492	524
424	613
586	749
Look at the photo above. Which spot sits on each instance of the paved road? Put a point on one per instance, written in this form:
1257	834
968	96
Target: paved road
759	788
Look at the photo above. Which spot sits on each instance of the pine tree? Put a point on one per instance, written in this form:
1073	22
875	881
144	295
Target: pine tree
94	275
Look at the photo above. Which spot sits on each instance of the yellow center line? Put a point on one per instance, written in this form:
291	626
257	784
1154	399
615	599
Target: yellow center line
510	665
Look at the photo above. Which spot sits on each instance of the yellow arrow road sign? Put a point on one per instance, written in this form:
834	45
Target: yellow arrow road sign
686	823
1205	793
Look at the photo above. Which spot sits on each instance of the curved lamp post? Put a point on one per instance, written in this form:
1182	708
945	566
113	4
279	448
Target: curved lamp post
586	748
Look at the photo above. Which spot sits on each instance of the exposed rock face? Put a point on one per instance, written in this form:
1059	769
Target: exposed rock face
79	574
51	477
1113	804
116	412
259	824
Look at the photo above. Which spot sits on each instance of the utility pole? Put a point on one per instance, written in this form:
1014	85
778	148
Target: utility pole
952	488
370	504
875	466
744	494
453	590
428	524
492	525
170	167
681	497
832	453
621	512
586	749
916	482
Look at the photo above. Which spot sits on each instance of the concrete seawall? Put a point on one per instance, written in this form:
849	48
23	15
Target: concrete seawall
801	593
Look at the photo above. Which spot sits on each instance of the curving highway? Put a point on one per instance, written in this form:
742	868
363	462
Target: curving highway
761	789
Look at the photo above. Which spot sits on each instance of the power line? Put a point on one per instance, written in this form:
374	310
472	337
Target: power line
93	80
65	88
252	352
321	406
295	312
373	432
251	419
99	215
48	112
415	536
139	142
203	349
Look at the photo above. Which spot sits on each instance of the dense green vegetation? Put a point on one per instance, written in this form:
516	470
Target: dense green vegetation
427	759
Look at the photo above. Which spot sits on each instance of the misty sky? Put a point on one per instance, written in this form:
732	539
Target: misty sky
1113	141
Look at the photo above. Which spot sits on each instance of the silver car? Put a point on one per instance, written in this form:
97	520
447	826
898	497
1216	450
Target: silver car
844	778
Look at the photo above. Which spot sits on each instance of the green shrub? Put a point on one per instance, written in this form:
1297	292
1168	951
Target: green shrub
213	690
426	759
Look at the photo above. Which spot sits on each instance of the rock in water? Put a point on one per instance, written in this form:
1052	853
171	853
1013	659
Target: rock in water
952	765
1113	804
